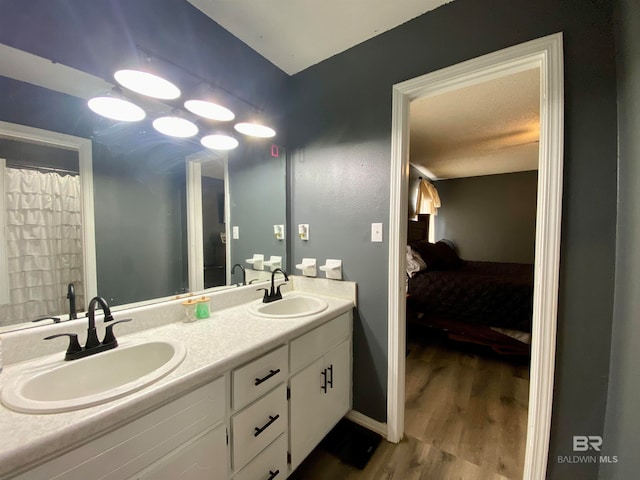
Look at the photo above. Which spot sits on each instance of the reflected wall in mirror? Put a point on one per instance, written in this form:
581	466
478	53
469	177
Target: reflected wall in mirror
139	183
234	201
258	186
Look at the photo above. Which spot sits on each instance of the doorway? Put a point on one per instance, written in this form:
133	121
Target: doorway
545	54
207	221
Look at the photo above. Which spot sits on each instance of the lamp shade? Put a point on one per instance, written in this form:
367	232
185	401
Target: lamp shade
148	84
175	126
255	130
219	142
209	110
116	108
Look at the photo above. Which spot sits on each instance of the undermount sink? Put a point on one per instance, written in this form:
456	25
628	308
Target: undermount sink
62	386
291	306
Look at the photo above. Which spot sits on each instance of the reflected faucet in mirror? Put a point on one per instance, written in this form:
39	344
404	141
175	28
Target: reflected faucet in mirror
71	296
55	319
93	345
244	273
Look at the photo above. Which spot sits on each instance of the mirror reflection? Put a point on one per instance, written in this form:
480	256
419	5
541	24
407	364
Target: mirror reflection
41	242
138	213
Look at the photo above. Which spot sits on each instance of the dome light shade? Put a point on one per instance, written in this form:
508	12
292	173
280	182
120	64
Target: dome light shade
175	127
219	142
209	110
116	109
255	130
147	84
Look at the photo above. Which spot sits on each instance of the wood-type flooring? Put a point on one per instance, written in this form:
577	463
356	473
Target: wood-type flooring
465	418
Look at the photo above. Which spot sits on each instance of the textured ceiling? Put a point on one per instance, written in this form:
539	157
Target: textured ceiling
295	34
489	128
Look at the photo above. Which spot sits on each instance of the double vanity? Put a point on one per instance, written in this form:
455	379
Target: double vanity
245	394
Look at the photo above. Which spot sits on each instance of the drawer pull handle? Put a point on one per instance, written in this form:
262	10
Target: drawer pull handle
330	381
259	430
273	475
324	380
269	375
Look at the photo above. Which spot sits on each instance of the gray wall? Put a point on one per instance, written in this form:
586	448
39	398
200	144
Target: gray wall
490	218
340	135
622	427
258	198
140	224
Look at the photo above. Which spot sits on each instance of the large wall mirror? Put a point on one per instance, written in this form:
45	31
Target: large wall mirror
139	194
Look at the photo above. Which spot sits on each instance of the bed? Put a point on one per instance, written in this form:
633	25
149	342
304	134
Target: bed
487	303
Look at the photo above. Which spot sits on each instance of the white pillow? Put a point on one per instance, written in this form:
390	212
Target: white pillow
414	262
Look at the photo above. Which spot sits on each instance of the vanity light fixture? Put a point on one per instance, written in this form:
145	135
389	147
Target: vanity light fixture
148	84
255	130
219	142
175	126
116	107
209	110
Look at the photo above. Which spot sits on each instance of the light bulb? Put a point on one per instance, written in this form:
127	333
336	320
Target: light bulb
175	127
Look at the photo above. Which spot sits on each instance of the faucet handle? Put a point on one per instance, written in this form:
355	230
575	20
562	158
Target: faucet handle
74	346
109	337
55	319
265	299
278	293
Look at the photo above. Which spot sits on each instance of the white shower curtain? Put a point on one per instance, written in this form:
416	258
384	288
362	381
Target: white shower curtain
43	227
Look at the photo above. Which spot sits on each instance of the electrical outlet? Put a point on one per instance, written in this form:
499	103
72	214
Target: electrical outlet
376	232
235	232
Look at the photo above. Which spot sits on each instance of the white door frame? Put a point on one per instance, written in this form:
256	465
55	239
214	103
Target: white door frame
546	54
195	251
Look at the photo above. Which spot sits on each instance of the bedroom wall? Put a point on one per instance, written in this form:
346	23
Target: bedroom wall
622	427
340	126
490	218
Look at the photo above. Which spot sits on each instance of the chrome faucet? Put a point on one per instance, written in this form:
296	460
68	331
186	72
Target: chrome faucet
244	273
93	345
273	295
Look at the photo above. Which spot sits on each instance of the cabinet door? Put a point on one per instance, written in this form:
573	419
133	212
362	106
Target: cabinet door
337	400
205	457
304	411
320	397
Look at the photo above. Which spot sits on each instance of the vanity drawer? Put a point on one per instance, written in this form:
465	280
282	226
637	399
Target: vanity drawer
271	463
258	377
258	425
311	346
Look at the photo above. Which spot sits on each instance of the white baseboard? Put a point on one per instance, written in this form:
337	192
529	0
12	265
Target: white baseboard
367	422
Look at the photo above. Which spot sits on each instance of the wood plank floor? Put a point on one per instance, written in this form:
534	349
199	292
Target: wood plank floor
465	418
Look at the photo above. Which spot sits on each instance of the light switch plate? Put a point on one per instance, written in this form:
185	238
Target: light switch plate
376	232
235	232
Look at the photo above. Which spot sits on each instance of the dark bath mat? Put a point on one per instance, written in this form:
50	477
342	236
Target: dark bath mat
351	443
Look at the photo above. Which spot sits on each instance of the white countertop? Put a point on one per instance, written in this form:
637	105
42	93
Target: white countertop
229	338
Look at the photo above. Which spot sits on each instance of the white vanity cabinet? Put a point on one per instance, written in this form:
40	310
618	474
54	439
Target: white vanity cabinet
171	437
321	388
257	421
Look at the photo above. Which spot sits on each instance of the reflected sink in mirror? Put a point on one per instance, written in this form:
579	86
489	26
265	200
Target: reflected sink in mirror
62	386
291	306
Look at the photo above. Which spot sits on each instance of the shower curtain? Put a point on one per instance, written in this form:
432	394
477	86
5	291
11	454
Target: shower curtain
43	229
